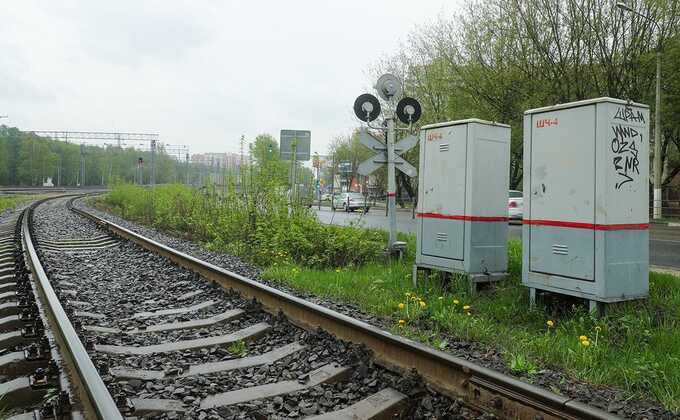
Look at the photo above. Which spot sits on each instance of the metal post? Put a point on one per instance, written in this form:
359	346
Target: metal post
61	158
391	184
293	187
153	163
82	166
333	183
187	174
657	213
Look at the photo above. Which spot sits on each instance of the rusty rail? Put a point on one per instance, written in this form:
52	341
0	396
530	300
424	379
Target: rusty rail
97	402
480	387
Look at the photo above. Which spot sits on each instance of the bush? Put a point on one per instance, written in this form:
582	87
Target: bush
259	226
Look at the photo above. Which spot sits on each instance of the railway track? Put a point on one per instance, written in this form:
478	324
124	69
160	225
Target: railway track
144	330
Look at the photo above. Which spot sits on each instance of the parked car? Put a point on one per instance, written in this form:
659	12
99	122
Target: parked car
325	197
515	205
349	201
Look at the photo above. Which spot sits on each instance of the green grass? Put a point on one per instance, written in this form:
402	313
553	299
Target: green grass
12	201
259	226
636	346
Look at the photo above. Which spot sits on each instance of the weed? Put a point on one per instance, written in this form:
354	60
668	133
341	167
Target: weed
238	348
10	202
634	347
260	227
521	364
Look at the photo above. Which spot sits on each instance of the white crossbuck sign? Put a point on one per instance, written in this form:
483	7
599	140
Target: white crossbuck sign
368	166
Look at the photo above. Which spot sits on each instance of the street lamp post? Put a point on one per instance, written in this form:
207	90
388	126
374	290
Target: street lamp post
657	213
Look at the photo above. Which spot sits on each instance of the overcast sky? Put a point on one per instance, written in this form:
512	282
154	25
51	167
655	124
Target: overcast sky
198	72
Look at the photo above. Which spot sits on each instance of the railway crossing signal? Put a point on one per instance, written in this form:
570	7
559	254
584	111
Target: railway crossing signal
370	165
367	108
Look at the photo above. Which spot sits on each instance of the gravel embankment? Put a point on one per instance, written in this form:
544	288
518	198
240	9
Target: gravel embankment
122	286
608	399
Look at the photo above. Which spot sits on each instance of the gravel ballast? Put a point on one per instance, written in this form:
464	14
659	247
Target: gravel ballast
123	287
609	399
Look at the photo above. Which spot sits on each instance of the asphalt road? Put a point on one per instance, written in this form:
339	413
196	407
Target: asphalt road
664	241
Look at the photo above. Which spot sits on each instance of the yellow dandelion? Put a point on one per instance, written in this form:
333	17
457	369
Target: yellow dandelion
550	324
402	322
583	338
456	301
466	307
402	306
337	270
422	304
468	313
585	343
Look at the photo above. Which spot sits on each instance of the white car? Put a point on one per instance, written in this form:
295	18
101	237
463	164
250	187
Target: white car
349	201
515	205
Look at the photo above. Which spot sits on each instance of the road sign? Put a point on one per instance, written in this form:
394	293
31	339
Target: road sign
368	166
406	144
302	140
345	167
371	142
404	166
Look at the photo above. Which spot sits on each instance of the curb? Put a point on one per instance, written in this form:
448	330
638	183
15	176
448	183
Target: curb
669	224
665	270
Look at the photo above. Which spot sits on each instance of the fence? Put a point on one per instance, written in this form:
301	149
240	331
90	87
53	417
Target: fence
670	202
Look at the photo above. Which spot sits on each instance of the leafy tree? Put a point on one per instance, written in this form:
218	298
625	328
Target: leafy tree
497	58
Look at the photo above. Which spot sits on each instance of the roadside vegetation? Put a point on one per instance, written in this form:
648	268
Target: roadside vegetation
12	201
257	225
636	346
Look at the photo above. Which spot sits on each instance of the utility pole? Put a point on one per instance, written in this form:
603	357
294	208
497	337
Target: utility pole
61	158
140	171
239	181
333	182
657	200
153	163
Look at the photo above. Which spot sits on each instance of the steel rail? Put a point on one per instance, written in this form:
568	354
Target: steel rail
93	395
480	387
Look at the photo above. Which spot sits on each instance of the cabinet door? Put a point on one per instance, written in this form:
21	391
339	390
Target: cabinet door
563	193
443	207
